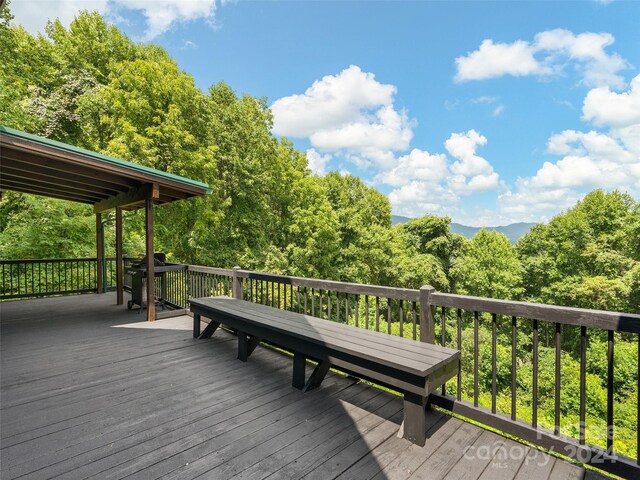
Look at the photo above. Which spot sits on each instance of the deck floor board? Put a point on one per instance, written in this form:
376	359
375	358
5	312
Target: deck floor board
83	397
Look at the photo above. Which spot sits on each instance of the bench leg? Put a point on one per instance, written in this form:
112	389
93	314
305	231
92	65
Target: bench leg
211	328
196	325
299	363
246	345
299	373
414	425
317	376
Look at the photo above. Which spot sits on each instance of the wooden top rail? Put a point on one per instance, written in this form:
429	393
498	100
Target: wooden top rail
227	272
54	260
405	294
616	321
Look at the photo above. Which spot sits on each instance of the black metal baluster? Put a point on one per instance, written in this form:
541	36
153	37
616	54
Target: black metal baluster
366	312
558	339
534	413
514	338
346	308
610	391
388	315
414	319
357	309
475	358
305	300
494	328
583	382
377	314
459	339
443	316
401	313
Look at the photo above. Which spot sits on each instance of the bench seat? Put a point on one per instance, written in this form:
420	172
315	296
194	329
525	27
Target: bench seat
414	368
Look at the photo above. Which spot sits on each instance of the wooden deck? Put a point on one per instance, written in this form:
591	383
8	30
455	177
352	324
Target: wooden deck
82	398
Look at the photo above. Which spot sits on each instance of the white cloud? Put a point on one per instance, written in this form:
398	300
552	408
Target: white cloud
416	199
33	17
386	130
603	107
416	166
629	137
588	51
160	15
189	45
591	160
497	59
317	162
430	183
588	160
485	100
462	146
527	204
498	110
547	55
481	182
349	113
598	146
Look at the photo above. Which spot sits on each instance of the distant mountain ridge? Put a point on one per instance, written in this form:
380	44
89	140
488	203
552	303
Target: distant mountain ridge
513	231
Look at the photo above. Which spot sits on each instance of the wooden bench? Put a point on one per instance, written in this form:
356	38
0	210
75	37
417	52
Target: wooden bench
413	368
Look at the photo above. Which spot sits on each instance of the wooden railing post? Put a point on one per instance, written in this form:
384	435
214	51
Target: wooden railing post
427	324
190	284
236	286
100	288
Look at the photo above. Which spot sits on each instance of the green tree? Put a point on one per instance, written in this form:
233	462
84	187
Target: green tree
360	210
587	256
488	267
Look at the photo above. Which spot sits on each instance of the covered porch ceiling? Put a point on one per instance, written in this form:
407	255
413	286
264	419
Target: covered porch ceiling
40	166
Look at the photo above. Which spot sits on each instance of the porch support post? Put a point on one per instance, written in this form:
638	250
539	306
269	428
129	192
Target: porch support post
151	304
119	260
99	249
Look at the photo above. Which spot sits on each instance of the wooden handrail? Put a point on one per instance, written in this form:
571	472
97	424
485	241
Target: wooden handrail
583	317
405	294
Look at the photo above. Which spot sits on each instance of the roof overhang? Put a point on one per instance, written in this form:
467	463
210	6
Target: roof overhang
37	165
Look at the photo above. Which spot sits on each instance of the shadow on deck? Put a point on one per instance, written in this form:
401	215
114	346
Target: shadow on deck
81	398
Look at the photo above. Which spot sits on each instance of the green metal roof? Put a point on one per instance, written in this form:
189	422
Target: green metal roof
101	157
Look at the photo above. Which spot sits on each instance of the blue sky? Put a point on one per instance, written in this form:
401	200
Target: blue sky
489	112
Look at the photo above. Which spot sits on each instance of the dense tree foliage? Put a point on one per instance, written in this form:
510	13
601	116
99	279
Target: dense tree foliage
587	257
91	86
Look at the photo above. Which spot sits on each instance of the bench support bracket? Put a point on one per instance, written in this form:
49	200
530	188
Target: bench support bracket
316	378
414	424
210	330
246	345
